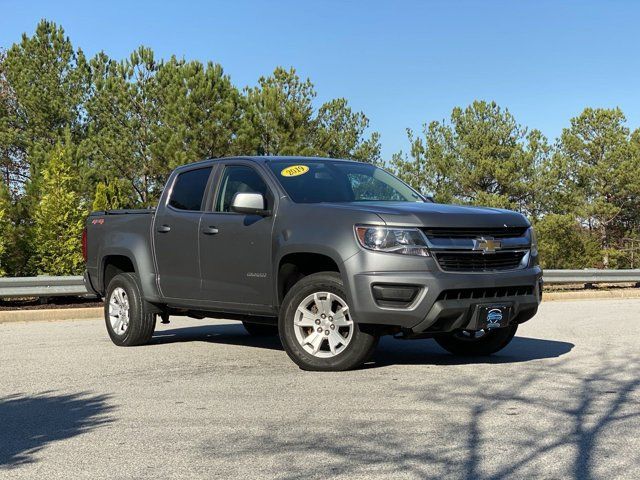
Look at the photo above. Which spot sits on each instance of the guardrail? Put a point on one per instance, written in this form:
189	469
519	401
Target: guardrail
46	286
42	287
590	276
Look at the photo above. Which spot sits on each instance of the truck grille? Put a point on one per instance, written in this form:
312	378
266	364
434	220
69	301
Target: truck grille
503	232
479	261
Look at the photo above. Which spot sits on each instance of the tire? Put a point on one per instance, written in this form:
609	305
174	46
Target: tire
322	295
461	343
124	298
260	329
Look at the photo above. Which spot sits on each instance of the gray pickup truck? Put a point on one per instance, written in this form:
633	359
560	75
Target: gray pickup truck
329	254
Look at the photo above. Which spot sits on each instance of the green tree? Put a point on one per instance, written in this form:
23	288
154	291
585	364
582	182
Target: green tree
44	85
59	215
200	113
481	157
11	167
340	133
123	112
280	120
147	117
598	164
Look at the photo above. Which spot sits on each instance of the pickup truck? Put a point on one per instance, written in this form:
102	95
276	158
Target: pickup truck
328	254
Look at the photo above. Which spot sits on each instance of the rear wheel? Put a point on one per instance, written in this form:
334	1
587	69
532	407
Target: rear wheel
316	327
477	343
127	323
260	329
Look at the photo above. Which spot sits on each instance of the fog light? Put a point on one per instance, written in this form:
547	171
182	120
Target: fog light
396	296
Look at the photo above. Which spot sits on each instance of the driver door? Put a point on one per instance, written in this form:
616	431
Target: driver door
235	248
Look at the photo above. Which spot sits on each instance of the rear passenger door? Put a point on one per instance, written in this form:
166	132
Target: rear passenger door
176	234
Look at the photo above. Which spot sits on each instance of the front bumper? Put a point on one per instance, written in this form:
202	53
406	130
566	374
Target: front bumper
431	310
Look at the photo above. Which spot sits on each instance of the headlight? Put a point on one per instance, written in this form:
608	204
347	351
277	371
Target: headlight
406	241
534	239
534	248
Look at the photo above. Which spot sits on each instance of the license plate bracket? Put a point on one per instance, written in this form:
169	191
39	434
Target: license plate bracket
490	316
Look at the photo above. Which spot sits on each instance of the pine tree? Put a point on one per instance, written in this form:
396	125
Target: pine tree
280	119
59	216
45	83
598	164
482	157
123	113
201	115
339	132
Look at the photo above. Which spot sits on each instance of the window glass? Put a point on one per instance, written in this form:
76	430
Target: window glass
317	181
368	187
189	189
238	179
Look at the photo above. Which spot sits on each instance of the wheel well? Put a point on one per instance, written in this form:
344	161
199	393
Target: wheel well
114	265
295	266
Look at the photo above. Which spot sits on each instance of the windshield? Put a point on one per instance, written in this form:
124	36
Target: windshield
316	181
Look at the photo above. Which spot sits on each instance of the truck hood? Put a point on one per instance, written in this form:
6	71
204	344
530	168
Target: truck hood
437	215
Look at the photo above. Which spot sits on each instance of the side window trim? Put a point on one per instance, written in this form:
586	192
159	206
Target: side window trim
219	177
203	200
212	187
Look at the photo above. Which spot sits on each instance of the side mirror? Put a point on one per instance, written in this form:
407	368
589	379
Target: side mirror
249	203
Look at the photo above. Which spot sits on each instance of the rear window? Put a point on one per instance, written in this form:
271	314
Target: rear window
188	189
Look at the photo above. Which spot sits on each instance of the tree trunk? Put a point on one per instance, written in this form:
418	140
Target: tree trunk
605	247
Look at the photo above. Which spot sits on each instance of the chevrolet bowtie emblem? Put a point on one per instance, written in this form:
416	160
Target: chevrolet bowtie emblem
487	244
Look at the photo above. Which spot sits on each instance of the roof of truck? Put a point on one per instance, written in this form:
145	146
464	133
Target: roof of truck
268	158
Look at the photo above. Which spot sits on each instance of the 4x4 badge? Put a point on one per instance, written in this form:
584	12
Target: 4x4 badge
487	244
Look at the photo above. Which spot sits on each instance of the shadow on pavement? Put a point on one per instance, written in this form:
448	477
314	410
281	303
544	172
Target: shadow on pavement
227	334
576	420
419	352
389	352
28	423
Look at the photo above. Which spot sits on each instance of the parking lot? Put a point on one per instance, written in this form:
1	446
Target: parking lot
205	399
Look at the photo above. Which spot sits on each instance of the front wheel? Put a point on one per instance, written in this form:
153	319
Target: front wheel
477	343
317	329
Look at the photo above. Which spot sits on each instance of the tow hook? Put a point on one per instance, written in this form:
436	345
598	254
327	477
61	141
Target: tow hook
407	334
402	334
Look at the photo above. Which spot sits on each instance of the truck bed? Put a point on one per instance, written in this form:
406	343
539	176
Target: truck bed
119	233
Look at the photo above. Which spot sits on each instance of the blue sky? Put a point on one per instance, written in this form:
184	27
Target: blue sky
401	62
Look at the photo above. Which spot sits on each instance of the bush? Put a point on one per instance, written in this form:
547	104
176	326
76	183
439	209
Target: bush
59	217
563	243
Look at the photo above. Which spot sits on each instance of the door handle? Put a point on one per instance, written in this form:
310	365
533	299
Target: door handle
210	230
164	229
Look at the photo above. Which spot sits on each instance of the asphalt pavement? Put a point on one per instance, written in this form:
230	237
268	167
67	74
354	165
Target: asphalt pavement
205	400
